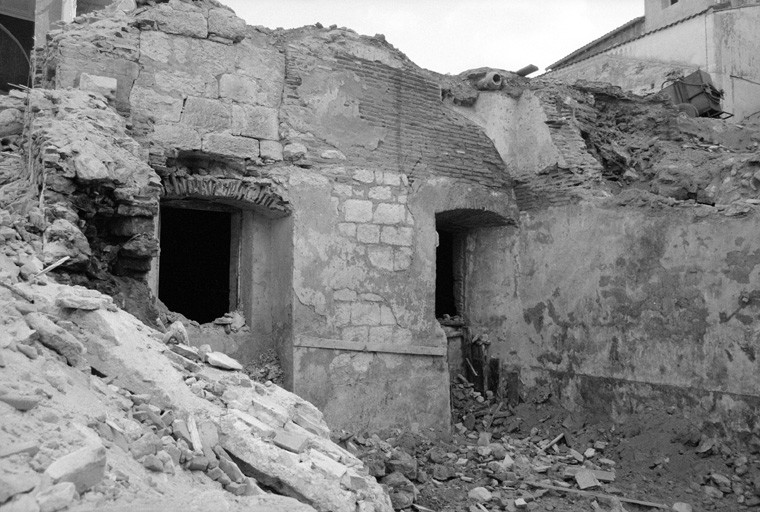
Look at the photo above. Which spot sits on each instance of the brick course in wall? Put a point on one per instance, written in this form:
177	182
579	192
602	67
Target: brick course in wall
422	137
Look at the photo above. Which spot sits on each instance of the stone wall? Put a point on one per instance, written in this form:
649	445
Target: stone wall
339	153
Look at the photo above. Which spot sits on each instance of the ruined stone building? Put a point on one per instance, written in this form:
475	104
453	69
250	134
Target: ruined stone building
592	244
673	39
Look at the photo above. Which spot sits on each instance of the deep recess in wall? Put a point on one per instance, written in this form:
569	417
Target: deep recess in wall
194	269
445	299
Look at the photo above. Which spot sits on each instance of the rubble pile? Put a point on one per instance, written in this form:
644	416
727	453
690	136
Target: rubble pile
539	456
99	412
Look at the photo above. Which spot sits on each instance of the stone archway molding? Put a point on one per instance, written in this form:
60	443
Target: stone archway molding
245	193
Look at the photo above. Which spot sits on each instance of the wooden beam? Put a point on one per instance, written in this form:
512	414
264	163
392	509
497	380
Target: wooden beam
356	346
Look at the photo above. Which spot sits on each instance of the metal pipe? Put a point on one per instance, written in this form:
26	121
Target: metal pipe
527	70
491	82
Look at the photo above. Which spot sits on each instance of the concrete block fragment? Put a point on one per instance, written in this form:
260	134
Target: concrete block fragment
84	467
252	121
256	425
153	463
586	479
289	441
228	145
231	470
326	465
82	298
223	361
57	497
57	338
104	85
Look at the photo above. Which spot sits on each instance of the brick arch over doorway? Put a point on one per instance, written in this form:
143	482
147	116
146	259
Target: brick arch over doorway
244	193
226	246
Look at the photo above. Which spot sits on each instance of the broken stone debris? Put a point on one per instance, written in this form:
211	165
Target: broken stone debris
141	407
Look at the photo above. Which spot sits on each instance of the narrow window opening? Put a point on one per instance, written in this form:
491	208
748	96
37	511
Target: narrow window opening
445	276
195	274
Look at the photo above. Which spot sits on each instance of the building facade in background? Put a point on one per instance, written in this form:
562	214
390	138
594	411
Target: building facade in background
675	38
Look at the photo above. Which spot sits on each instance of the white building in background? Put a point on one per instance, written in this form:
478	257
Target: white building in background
675	38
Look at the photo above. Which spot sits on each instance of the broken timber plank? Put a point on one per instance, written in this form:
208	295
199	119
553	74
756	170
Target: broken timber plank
387	348
589	494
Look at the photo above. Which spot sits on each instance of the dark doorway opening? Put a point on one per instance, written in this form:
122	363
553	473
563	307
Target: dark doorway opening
194	276
16	43
445	295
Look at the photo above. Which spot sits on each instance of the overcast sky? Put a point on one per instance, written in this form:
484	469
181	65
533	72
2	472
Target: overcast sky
451	36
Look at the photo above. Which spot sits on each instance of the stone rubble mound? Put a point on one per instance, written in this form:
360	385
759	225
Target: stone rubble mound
97	413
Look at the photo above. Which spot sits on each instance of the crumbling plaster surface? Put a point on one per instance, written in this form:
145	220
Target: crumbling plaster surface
631	297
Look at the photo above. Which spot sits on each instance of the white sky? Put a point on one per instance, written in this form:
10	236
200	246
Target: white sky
451	36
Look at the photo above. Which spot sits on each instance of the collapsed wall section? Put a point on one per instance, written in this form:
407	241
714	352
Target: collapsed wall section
335	153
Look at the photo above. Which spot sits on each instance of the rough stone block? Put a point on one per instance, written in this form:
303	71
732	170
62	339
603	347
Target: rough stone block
152	104
253	121
131	226
206	115
381	257
293	152
84	468
402	259
347	229
380	193
12	484
356	333
65	239
224	23
289	441
383	334
57	338
357	210
239	88
230	145
364	176
231	470
176	136
397	235
363	313
20	402
368	233
386	316
104	85
390	213
270	150
189	21
57	497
